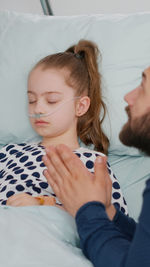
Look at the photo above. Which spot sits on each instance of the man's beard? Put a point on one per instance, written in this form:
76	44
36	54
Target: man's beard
136	133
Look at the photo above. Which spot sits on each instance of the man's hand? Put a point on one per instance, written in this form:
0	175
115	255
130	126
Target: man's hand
73	184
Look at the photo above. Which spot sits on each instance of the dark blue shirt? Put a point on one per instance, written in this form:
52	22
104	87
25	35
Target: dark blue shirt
117	243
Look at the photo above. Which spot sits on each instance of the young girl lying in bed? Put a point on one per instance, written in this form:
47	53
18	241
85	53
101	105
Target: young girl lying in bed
64	103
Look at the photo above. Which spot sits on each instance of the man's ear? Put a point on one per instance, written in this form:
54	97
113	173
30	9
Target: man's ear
82	106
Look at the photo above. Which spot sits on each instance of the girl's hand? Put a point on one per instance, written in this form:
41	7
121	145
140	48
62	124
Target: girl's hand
22	199
25	199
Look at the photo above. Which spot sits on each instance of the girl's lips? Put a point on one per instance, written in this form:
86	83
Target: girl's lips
41	122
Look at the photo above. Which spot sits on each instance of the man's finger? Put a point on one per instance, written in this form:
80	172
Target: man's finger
100	169
51	171
55	160
46	174
70	160
52	183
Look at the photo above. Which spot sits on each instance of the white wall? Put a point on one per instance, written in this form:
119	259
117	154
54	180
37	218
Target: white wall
27	6
73	7
76	7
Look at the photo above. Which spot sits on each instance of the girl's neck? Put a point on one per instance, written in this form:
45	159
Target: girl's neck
72	144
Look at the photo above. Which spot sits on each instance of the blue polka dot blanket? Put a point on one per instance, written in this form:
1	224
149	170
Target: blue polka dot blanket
39	235
21	170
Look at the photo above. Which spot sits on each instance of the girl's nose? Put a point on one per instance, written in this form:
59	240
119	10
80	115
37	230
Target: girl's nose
39	109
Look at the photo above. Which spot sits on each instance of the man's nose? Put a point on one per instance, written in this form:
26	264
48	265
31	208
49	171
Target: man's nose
132	96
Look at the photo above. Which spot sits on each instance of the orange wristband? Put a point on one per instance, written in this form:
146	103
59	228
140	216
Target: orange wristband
41	200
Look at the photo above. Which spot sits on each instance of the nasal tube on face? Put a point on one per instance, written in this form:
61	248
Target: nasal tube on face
40	115
37	116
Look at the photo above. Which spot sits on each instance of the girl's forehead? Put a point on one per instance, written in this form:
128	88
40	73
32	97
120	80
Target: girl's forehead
45	73
48	81
48	69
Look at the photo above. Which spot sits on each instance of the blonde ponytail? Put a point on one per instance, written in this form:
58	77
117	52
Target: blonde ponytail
90	125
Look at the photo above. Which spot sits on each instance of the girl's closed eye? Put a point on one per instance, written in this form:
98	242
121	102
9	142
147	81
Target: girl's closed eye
53	100
32	100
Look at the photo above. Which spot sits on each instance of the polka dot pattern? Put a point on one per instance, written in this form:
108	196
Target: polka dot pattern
21	170
89	164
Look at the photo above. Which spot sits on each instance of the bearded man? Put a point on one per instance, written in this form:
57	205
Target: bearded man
108	237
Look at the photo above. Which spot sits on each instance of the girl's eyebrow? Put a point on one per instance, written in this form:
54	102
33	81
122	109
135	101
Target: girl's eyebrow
45	93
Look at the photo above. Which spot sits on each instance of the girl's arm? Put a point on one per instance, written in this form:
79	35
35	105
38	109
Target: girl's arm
24	199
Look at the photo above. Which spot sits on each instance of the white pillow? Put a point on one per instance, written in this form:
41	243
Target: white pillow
123	40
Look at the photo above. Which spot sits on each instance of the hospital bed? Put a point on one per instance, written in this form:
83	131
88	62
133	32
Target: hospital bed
46	236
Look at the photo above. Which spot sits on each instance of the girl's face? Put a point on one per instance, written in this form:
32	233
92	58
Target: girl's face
49	93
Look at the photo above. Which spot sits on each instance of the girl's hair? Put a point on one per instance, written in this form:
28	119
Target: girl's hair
80	61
